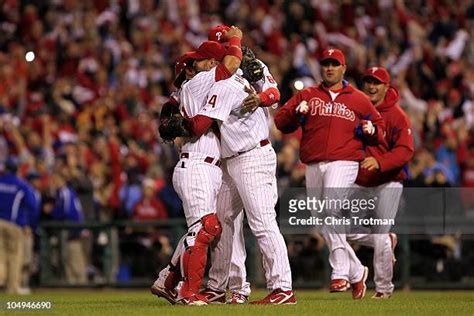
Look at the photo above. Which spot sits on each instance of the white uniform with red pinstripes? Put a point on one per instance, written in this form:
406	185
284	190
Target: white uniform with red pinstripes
251	183
238	275
388	195
334	180
196	181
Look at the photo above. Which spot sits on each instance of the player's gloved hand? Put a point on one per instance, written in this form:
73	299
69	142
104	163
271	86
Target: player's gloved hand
252	70
302	108
173	127
367	127
251	102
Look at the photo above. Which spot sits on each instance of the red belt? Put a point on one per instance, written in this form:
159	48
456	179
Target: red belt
208	159
263	142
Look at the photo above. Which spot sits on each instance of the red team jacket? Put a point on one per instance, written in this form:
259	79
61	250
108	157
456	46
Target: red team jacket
393	154
329	128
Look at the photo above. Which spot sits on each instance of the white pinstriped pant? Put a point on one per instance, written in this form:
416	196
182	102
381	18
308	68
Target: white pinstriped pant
388	195
197	184
327	179
238	273
237	278
249	182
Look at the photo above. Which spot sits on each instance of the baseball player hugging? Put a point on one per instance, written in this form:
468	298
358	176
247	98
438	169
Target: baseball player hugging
249	169
197	176
267	94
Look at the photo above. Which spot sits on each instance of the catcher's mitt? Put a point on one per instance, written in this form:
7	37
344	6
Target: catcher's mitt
168	109
252	68
172	127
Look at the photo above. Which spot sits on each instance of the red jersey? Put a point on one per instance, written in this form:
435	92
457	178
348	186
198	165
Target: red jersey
331	124
398	149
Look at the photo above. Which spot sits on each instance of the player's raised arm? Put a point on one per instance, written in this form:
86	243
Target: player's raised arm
210	58
254	70
233	56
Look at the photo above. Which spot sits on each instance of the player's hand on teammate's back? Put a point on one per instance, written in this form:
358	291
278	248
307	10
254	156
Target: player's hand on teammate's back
302	108
234	31
251	102
370	163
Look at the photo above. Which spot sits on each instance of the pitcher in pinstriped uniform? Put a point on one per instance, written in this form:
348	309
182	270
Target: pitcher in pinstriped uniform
267	95
249	173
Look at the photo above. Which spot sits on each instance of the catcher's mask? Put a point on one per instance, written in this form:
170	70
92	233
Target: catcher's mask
179	69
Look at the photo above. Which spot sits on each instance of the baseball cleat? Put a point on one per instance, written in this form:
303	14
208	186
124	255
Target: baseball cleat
359	288
393	241
193	300
277	297
213	297
381	296
237	298
339	285
169	295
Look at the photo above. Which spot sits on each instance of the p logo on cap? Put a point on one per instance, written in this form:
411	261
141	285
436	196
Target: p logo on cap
217	33
379	73
333	53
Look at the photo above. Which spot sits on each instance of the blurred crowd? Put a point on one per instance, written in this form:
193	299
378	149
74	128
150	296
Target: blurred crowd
82	113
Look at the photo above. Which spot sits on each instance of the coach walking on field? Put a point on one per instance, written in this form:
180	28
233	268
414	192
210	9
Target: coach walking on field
330	115
381	174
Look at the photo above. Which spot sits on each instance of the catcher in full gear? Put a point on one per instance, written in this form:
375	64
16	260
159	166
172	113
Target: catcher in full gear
197	175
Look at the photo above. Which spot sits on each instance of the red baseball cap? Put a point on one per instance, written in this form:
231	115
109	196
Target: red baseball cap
208	50
333	53
379	73
181	63
217	33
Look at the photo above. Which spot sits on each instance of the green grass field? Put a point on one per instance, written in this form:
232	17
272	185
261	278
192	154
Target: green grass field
141	302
